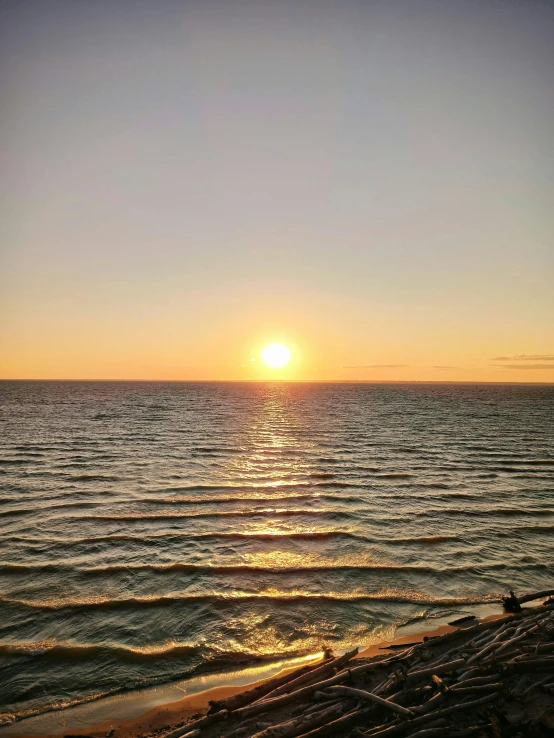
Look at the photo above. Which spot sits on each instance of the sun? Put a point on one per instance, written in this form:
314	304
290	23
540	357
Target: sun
276	355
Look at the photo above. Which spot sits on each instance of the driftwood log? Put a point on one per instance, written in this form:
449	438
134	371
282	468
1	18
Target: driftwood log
251	695
198	724
368	696
316	674
303	724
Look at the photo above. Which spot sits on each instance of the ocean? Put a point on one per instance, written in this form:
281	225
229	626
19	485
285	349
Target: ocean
152	531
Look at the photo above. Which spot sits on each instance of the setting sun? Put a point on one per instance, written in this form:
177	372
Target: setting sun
276	355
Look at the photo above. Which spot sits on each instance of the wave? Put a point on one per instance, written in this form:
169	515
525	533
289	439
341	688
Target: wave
16	513
197	488
225	514
516	470
216	450
220	499
501	511
307	536
28	448
227	488
45	507
528	529
391	596
535	476
527	462
70	505
108	569
64	652
253	568
321	480
457	496
8	568
424	539
93	478
31	454
338	485
9	718
215	660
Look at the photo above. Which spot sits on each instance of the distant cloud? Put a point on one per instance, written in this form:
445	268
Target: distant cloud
525	357
376	366
440	366
524	366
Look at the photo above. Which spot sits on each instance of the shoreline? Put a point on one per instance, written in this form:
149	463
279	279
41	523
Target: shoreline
86	719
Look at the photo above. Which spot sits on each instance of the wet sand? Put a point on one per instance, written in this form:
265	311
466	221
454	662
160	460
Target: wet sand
163	716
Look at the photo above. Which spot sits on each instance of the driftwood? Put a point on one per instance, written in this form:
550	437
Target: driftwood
402	728
473	681
247	728
539	648
336	727
302	724
440	684
431	704
482	627
436	732
521	667
273	704
511	603
489	637
503	646
268	704
536	596
313	708
492	644
474	669
321	671
398	646
197	724
369	697
414	676
467	687
251	695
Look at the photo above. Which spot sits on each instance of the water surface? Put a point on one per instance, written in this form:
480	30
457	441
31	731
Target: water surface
156	530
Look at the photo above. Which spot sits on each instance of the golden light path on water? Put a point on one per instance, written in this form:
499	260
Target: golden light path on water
276	428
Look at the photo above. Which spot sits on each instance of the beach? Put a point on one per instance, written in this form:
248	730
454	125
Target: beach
159	719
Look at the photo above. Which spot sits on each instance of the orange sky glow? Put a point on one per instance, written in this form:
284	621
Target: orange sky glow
185	183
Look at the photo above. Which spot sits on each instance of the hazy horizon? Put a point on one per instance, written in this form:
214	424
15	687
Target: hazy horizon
272	380
370	184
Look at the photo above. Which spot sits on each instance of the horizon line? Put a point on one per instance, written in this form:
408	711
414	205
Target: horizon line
283	381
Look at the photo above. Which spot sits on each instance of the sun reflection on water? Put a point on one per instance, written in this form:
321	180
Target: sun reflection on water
276	434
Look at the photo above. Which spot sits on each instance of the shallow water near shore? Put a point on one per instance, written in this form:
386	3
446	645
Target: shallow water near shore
154	532
144	711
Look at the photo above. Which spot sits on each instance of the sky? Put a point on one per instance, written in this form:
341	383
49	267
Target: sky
369	182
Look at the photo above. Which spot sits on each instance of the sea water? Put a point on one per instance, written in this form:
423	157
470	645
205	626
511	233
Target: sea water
152	531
